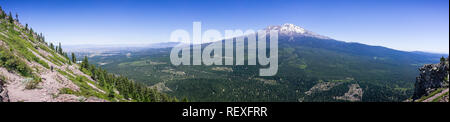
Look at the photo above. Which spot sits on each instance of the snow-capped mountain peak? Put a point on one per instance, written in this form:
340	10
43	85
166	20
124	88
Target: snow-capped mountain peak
288	28
294	30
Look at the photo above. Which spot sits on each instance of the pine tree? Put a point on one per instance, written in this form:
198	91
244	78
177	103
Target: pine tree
111	93
52	46
60	49
11	20
56	49
66	56
74	59
175	100
17	17
85	63
2	13
185	99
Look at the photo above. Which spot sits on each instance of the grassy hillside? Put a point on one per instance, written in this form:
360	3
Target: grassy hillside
35	70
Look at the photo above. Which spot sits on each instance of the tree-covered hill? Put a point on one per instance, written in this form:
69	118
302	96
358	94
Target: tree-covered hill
311	68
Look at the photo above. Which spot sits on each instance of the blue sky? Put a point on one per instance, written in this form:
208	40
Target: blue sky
408	25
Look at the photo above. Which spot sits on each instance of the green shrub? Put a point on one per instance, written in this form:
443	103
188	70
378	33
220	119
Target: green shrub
67	91
440	97
12	63
33	83
2	79
431	94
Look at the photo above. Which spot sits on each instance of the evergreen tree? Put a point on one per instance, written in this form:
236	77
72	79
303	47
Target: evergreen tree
67	56
11	20
85	63
74	59
17	17
52	46
175	100
2	13
60	49
111	93
185	99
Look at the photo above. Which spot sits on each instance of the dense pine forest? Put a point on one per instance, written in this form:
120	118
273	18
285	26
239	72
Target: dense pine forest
129	89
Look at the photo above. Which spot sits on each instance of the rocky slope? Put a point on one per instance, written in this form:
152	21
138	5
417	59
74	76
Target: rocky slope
31	70
3	92
433	83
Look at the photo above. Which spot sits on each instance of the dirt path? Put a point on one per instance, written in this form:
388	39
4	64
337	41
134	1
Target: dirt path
435	96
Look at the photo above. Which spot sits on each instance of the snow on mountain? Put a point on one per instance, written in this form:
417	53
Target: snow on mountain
294	30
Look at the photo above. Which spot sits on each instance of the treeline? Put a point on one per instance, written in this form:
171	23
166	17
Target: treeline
10	18
7	58
127	88
38	36
58	49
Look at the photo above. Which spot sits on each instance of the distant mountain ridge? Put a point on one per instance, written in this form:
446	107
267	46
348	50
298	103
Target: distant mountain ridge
312	68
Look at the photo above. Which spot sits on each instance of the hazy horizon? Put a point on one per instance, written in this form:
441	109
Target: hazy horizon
407	25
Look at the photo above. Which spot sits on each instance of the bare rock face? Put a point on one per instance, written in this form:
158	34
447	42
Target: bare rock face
3	92
354	94
432	77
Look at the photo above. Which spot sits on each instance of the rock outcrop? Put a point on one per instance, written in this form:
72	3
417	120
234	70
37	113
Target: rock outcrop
354	94
3	92
432	77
